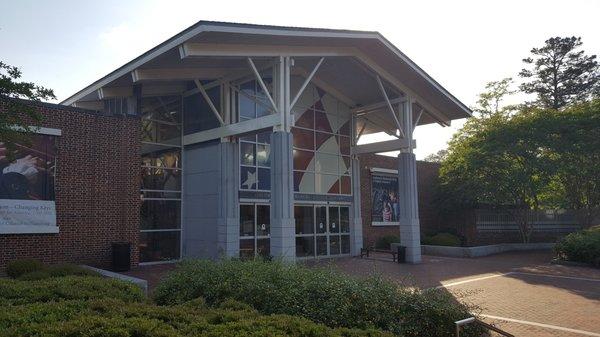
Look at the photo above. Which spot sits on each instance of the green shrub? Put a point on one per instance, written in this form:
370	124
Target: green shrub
14	292
34	276
66	269
111	317
582	246
442	239
320	295
386	241
19	267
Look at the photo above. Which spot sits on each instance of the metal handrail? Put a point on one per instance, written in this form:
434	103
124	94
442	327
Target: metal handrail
477	321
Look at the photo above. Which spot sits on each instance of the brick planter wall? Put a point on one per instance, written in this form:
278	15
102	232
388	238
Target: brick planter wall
427	174
97	189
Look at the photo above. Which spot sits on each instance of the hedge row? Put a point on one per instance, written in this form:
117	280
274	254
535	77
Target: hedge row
320	295
110	317
30	269
15	292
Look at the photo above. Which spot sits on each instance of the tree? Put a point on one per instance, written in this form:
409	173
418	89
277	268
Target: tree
559	74
496	161
490	101
437	157
572	144
17	117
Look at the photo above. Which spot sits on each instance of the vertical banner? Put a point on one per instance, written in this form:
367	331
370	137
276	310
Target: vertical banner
384	203
27	202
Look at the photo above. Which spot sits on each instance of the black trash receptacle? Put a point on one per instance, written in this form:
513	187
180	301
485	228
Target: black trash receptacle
401	254
121	256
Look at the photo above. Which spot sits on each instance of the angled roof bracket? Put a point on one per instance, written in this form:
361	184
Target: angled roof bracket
262	83
306	81
389	105
209	101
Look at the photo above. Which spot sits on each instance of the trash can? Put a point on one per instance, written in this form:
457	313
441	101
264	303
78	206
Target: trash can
121	256
401	254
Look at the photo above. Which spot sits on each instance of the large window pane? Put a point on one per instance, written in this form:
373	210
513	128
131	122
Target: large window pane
326	163
303	160
159	246
160	214
345	219
263	220
161	179
303	139
161	156
156	132
247	105
322	122
304	219
262	155
264	179
246	220
248	178
305	118
305	246
247	154
304	182
345	185
326	183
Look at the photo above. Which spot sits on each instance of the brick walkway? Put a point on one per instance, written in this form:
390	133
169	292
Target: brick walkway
538	299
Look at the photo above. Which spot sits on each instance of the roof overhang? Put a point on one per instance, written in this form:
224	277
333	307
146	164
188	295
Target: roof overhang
208	50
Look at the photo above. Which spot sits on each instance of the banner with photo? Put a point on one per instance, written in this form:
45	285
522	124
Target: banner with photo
384	204
27	202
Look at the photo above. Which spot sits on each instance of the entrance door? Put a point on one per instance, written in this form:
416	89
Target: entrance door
322	231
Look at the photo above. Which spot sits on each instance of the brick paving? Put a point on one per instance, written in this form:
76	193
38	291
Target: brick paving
520	286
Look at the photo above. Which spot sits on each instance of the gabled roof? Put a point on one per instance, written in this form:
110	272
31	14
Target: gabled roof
373	44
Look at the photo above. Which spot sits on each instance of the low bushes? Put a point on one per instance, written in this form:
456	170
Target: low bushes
319	295
15	292
582	246
29	269
386	241
442	239
110	317
17	268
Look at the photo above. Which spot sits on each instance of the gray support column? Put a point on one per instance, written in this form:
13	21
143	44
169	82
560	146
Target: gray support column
283	241
409	207
228	232
356	232
410	235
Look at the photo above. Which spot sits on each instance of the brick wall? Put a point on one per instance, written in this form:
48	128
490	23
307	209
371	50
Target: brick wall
427	174
97	189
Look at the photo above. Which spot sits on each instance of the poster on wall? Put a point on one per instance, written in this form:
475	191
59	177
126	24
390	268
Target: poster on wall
385	209
27	202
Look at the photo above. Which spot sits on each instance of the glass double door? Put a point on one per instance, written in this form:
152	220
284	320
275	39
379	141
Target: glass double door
322	230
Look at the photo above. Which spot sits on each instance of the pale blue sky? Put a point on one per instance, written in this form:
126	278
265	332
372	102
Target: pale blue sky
66	45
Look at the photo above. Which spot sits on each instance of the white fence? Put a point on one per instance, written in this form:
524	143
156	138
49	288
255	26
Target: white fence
543	221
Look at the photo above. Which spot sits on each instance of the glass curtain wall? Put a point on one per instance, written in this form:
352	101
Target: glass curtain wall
160	227
255	165
322	166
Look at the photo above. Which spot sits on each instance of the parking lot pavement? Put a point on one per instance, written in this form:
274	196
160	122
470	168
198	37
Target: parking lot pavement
519	292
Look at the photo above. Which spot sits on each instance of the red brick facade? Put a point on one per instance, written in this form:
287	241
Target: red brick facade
97	189
427	174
